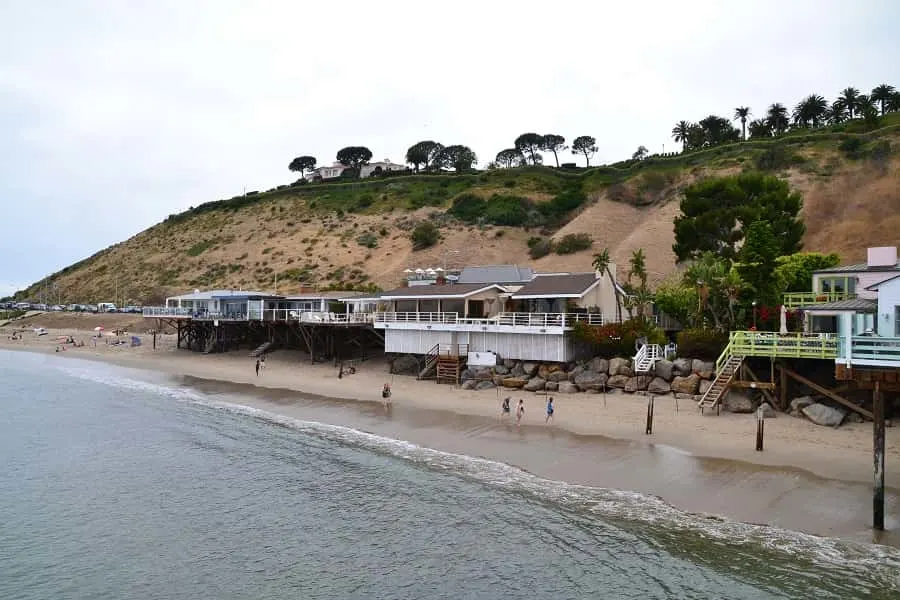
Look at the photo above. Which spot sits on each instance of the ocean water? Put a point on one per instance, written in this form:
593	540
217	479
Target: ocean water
117	485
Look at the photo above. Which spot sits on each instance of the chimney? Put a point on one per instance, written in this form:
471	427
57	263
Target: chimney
884	256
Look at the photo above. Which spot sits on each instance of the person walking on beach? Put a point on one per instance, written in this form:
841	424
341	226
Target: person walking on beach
386	395
504	408
520	412
262	361
257	367
549	410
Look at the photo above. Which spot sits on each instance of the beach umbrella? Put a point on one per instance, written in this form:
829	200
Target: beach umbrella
420	271
430	271
98	328
439	269
408	271
783	320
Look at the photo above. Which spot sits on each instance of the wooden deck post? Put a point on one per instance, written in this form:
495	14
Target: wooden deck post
878	455
649	429
783	391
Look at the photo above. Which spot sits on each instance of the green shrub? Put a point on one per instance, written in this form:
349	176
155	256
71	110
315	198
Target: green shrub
467	207
367	240
507	210
199	248
773	159
851	147
425	235
572	243
533	240
705	344
541	247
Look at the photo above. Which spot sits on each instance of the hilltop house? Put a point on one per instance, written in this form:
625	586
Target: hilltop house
336	169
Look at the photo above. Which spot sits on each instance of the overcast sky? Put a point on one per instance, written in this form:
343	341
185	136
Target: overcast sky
115	114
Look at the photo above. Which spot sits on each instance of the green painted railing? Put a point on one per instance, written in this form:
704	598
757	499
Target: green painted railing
723	358
798	299
782	345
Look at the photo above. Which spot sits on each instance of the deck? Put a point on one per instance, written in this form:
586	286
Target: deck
794	300
872	351
280	315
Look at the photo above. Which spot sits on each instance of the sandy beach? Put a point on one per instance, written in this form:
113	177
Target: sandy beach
812	461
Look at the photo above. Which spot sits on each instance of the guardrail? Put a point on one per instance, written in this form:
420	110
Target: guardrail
783	345
872	349
798	299
509	319
166	311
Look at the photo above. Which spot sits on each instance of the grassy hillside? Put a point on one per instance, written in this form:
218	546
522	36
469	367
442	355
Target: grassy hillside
356	234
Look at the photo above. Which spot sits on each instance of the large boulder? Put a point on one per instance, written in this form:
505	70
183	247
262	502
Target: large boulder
688	384
638	383
467	374
469	384
598	365
767	411
620	366
590	380
552	386
501	370
517	370
484	374
485	385
618	381
703	368
663	368
798	404
737	401
822	414
567	387
515	382
682	367
509	363
558	376
658	385
544	371
705	384
530	368
405	365
535	384
575	371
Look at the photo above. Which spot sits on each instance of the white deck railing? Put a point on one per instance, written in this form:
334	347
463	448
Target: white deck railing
509	319
166	311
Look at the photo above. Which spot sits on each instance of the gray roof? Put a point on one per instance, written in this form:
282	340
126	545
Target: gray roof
496	274
569	285
210	294
859	268
456	290
855	304
875	286
332	295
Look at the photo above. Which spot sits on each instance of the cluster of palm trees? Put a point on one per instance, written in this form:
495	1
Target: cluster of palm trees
811	112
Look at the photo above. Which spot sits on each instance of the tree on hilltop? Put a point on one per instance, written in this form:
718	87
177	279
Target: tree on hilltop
716	214
837	112
718	130
354	156
759	128
554	143
457	157
423	153
529	144
778	119
882	95
640	154
302	164
510	157
850	97
893	103
680	133
587	145
742	112
811	111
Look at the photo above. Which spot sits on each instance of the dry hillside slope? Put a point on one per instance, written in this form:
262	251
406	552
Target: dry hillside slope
304	237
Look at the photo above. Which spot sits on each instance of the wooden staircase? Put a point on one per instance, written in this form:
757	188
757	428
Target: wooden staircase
445	362
726	368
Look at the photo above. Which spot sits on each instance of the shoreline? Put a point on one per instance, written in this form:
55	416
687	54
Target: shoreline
698	463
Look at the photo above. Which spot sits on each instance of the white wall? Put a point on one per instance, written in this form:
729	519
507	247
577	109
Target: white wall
888	301
516	346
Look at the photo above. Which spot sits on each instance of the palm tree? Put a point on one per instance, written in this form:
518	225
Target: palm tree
742	112
601	264
680	133
777	118
640	295
893	103
882	95
811	111
759	128
837	113
850	96
865	107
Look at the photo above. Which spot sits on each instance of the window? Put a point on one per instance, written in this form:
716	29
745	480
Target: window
837	285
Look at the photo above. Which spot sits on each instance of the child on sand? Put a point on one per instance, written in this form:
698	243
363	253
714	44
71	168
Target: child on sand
549	410
520	412
504	408
386	394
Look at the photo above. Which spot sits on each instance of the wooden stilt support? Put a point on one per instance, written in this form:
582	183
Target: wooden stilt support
878	454
826	392
782	389
649	429
760	429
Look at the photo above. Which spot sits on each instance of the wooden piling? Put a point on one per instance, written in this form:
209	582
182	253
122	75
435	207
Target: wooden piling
878	455
760	429
649	429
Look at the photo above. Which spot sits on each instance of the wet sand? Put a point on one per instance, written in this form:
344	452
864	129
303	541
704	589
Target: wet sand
809	478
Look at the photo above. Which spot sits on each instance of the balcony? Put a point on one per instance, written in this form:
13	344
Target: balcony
870	351
784	345
170	312
794	300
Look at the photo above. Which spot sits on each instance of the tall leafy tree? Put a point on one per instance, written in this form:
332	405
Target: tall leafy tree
865	107
793	272
354	156
680	133
811	111
719	286
716	213
423	153
850	97
529	144
759	128
882	95
458	157
893	103
837	113
638	295
742	113
553	143
778	119
696	137
586	145
302	164
641	153
601	264
718	130
510	157
756	262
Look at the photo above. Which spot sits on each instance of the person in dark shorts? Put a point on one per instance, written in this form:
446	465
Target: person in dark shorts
257	367
549	410
386	394
504	407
